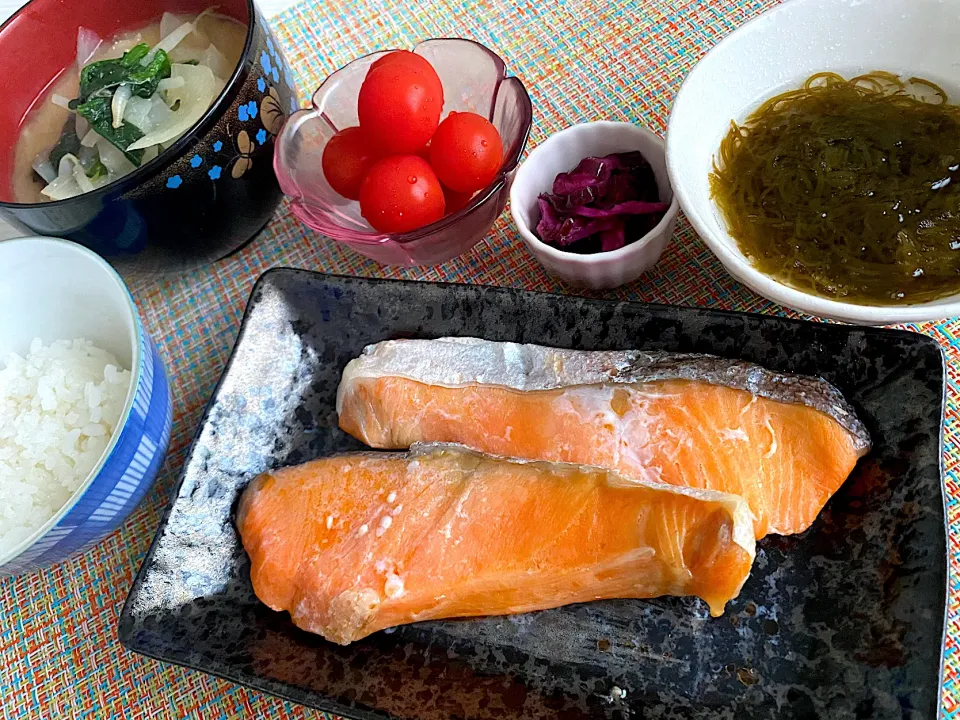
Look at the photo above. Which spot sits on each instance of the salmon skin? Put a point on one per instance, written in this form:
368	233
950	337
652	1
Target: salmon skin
355	543
785	443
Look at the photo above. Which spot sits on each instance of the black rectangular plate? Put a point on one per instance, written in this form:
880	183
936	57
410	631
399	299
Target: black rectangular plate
843	621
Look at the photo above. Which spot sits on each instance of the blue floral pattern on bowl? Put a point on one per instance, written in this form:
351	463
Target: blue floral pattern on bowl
256	117
271	117
248	111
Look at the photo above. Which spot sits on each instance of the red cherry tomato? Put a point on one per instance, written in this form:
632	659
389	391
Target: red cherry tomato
401	193
399	106
346	159
466	152
456	200
410	60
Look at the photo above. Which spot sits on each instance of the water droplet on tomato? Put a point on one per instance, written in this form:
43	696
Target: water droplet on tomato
412	179
483	143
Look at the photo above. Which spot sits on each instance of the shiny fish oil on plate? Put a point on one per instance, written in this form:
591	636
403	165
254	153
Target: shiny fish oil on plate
860	595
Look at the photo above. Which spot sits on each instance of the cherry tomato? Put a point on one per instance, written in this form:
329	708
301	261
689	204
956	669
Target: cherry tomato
409	59
401	193
399	106
346	159
466	152
456	200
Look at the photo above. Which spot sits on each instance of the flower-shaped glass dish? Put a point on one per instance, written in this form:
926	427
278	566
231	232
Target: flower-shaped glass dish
474	80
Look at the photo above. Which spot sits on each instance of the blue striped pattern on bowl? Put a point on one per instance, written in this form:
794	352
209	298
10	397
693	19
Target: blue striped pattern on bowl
123	479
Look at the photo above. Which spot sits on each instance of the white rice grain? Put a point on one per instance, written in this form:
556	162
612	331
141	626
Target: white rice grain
59	406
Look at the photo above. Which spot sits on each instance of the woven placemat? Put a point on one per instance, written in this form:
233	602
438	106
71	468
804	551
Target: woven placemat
580	60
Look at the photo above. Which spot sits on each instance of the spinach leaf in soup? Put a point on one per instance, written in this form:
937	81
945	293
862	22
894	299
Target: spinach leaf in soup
98	113
102	78
89	158
146	79
68	144
97	169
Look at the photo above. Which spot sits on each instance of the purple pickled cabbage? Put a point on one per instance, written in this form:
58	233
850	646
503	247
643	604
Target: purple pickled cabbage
562	230
630	207
602	204
588	182
550	219
575	229
614	238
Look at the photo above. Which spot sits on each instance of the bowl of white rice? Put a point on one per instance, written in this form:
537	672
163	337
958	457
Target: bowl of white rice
85	407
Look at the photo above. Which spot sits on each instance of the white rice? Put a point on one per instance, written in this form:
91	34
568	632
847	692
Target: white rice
59	407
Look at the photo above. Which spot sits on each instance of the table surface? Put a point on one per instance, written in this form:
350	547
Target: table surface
580	60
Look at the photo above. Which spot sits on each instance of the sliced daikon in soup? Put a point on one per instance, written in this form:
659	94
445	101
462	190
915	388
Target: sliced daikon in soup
171	21
87	43
72	179
191	101
215	60
114	159
148	114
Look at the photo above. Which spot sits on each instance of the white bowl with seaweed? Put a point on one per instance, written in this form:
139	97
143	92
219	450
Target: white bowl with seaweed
778	52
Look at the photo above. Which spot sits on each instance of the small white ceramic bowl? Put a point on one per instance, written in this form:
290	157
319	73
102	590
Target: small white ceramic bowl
776	52
58	290
561	153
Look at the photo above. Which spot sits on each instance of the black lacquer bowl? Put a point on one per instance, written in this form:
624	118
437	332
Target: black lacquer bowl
843	621
199	200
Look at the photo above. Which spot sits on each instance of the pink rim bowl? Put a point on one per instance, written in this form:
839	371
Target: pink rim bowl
474	80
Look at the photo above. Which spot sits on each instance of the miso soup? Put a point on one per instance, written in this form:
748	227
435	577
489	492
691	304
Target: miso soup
125	100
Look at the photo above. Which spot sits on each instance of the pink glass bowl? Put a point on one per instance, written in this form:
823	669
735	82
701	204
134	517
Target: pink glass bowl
474	80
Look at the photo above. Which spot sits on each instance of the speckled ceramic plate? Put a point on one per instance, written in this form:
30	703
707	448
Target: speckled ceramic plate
844	621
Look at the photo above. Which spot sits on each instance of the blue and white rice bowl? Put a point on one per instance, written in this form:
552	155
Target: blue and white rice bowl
58	290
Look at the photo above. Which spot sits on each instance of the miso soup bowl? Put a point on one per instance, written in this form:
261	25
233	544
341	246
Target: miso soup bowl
774	53
202	198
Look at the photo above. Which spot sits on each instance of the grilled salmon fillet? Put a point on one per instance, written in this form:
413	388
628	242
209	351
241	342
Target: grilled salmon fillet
356	543
785	443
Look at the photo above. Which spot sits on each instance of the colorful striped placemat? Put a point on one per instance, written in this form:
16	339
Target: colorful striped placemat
580	60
